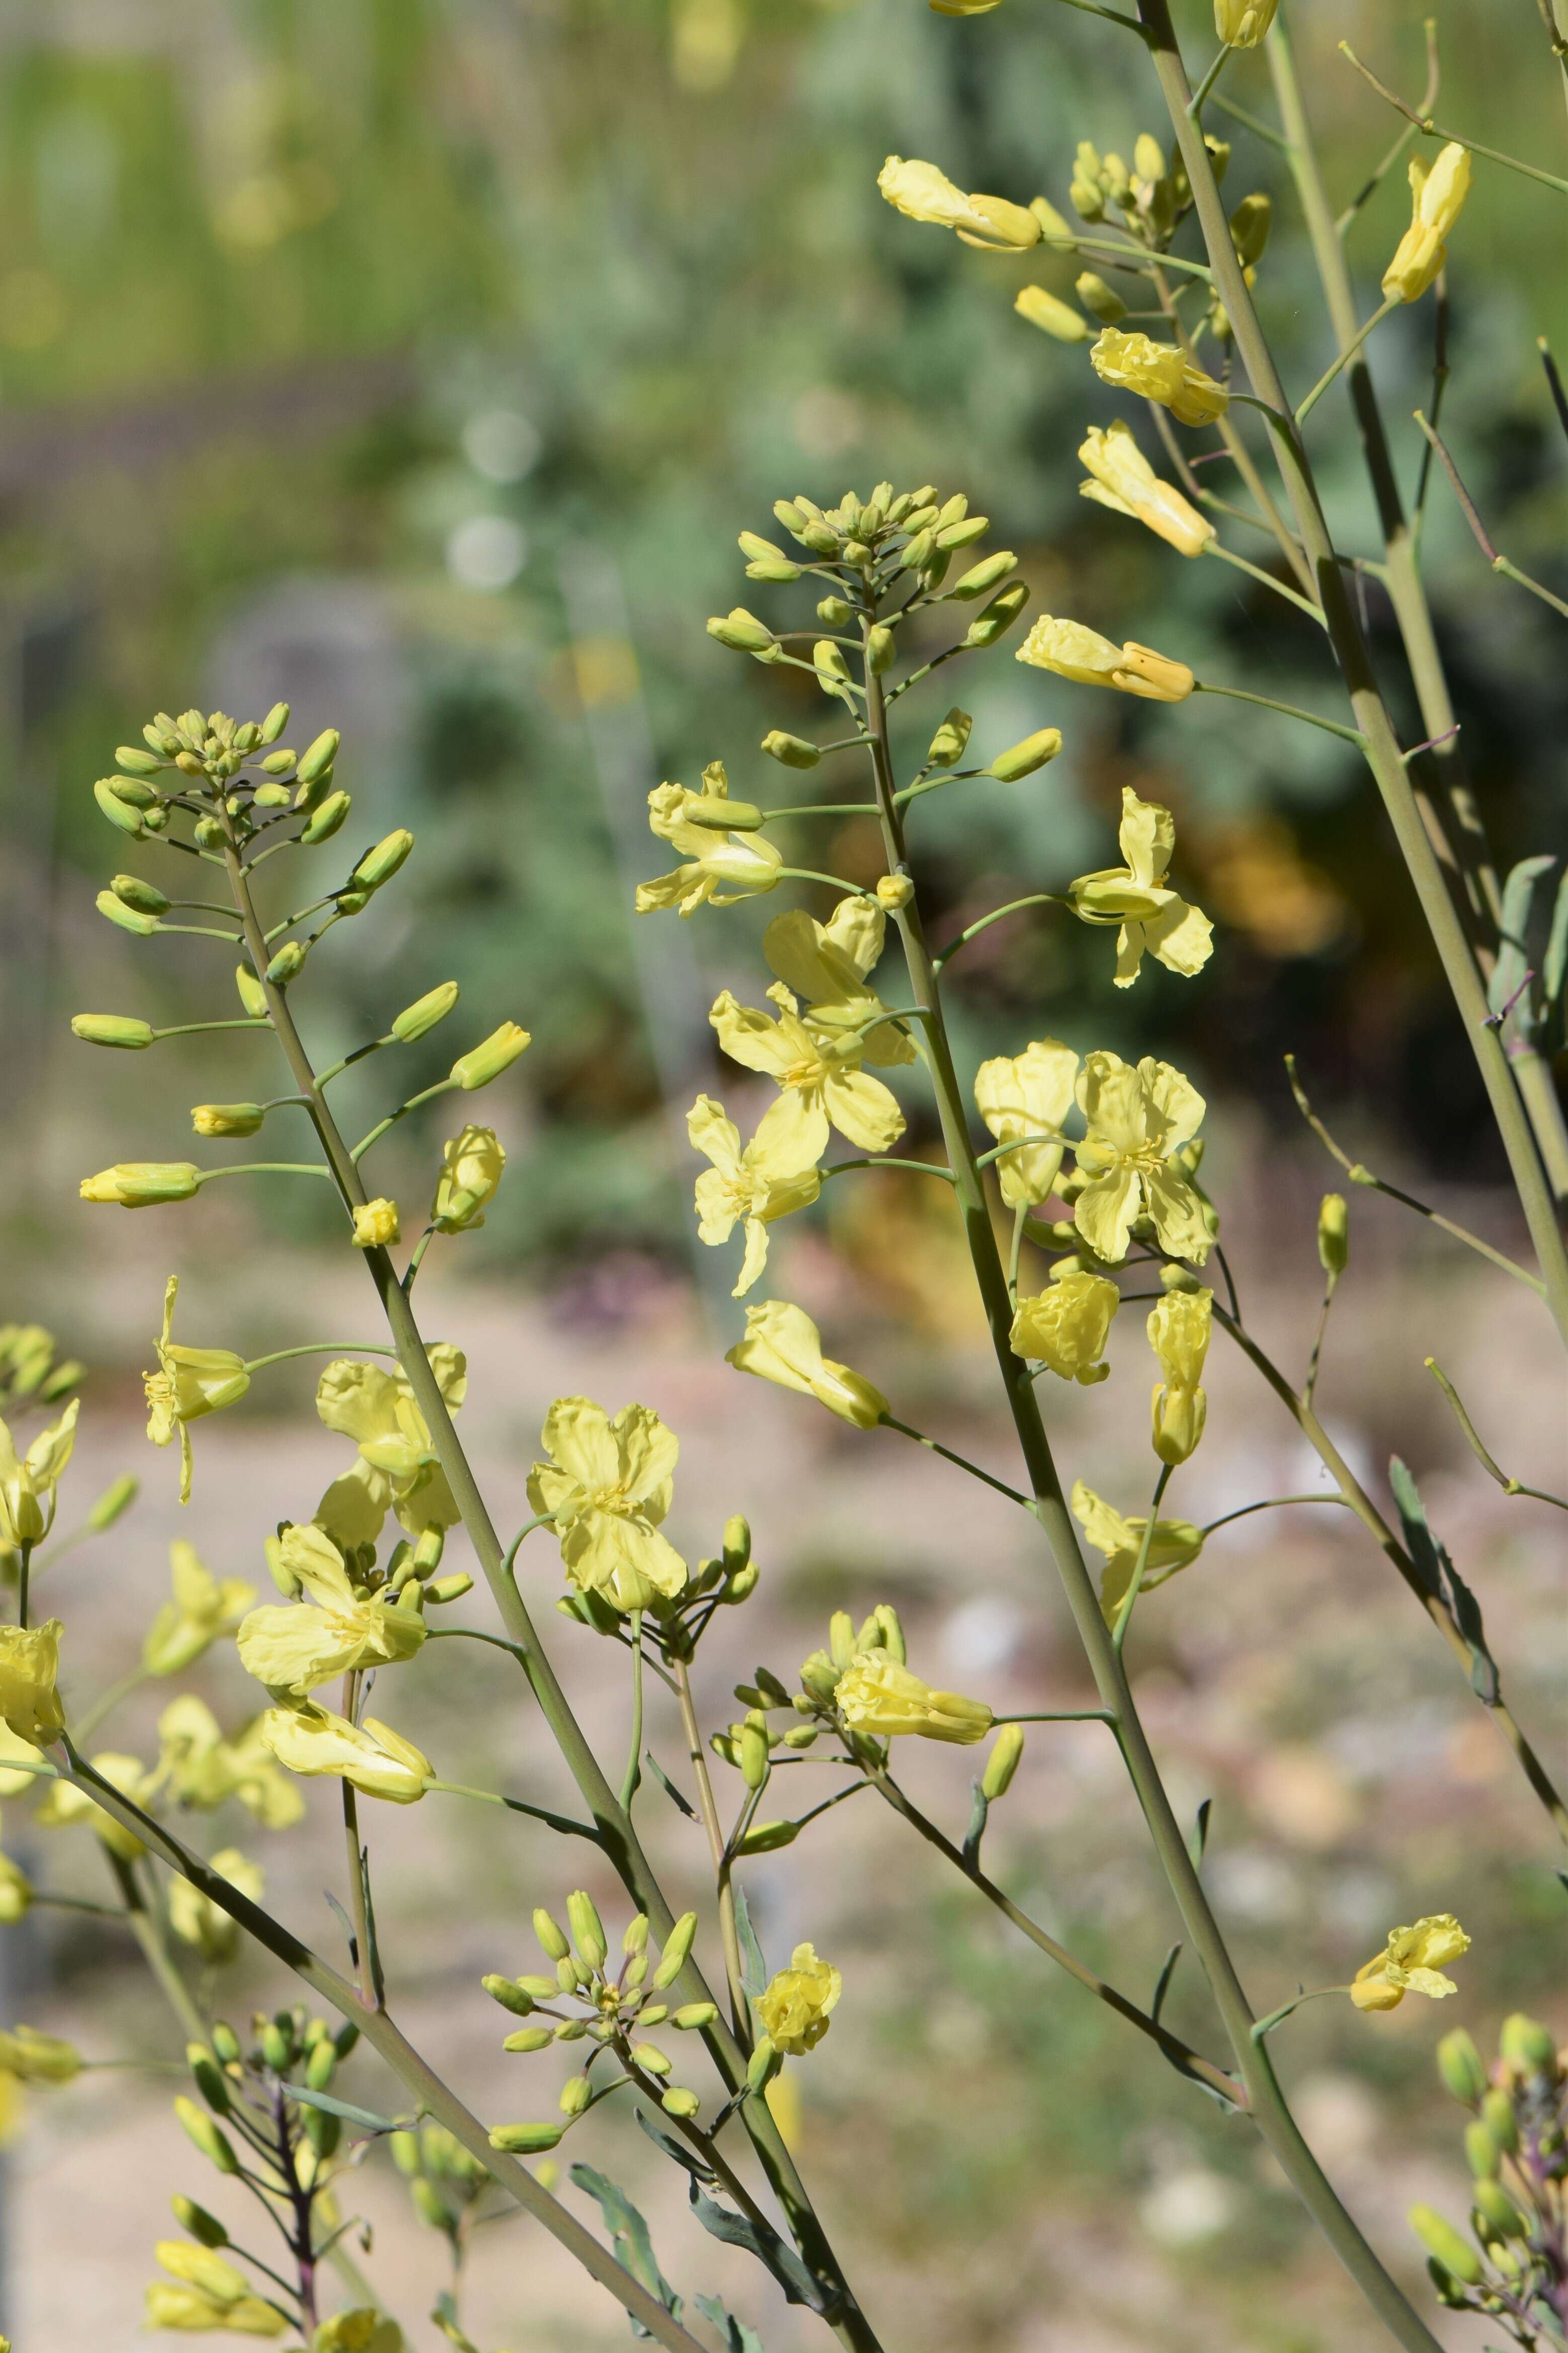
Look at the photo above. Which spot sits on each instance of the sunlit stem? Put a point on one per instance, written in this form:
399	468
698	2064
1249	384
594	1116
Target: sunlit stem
1129	1600
1392	303
633	1775
442	1086
1286	710
960	1461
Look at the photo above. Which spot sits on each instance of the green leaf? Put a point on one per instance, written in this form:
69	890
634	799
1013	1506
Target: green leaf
1199	1840
735	2334
764	2242
1511	972
627	2229
753	1968
667	1786
675	2148
364	2117
1442	1580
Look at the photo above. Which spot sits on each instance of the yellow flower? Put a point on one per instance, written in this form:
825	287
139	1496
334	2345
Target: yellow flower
1243	23
725	866
16	1895
879	1695
1134	896
470	1171
27	1482
1082	654
1160	372
923	193
1067	1326
189	1383
783	1345
1122	478
819	1081
1436	199
490	1057
609	1484
293	1650
398	1468
1412	1962
1024	1096
187	2308
197	1920
38	2058
29	1664
794	2007
1179	1335
142	1184
1054	317
65	1805
203	1769
364	2331
204	1608
758	1185
375	1224
827	964
371	1755
1174	1544
1138	1120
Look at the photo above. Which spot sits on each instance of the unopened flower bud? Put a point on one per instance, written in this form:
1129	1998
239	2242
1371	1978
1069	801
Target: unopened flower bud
576	2095
442	1590
1003	1762
833	612
320	756
526	2140
881	649
142	1184
767	1838
650	2059
763	2066
143	897
587	1928
1497	2115
380	864
841	1638
893	892
998	616
495	1054
228	1119
1527	2046
274	723
530	2038
694	2016
112	1029
205	2136
126	919
677	1949
755	1767
136	762
1334	1234
741	1585
1023	758
119	811
205	2228
982	576
208	2077
252	996
278	764
510	1995
425	1012
552	1936
326	819
1445	2245
791	750
1482	2154
832	670
1051	315
679	2103
741	631
737	1542
288	963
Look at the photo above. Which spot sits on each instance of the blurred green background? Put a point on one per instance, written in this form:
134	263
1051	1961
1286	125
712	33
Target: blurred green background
419	360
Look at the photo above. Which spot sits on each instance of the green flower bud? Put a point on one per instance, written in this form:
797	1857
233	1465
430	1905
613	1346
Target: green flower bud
832	670
694	2016
679	2103
142	1184
841	1638
380	864
576	2095
405	2148
116	1498
741	631
1497	2115
205	2228
288	963
572	2030
126	918
493	1055
321	2065
209	2078
801	1736
881	649
1460	2065
429	2204
1250	226
821	538
118	811
677	1950
320	756
1023	758
1527	2046
425	1012
980	577
1003	1762
278	2047
138	763
225	2045
791	750
326	819
278	764
252	996
1497	2212
774	567
962	535
737	1542
553	1939
587	1928
833	612
209	832
205	2134
766	1838
543	1989
754	1767
144	897
741	1585
228	1119
1333	1234
442	1590
1482	2154
763	2066
791	517
1445	2245
112	1029
274	723
274	797
920	550
947	745
1099	300
510	1995
635	1941
526	2140
998	616
650	2059
530	2038
724	814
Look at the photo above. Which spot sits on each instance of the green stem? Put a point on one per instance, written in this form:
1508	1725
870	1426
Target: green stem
322	1348
1286	710
959	1460
24	1574
1269	1503
920	1167
148	1931
266	1169
1228	555
1346	355
107	1701
1195	106
728	1925
1013	907
1141	1566
633	1774
1431	130
442	1087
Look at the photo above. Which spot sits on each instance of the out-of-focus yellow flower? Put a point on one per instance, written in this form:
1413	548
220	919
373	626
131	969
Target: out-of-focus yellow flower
795	2006
827	965
609	1484
65	1805
1067	1325
1134	896
27	1482
819	1081
1243	23
876	1694
311	1739
293	1650
724	866
364	2331
923	193
1051	315
1139	1118
189	1383
186	2308
376	1225
15	1901
783	1345
197	1920
1172	1547
1122	478
203	1769
1412	1962
398	1468
1436	199
1024	1096
204	1608
471	1169
1160	372
30	1666
757	1184
1073	651
1179	1335
142	1184
38	2058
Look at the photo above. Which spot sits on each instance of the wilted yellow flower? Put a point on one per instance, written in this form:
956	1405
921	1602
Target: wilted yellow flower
1412	1962
758	1185
311	1739
725	866
189	1383
609	1484
1134	897
876	1694
819	1081
376	1224
38	2058
142	1184
293	1650
1024	1096
167	2306
29	1665
398	1468
1173	1545
1436	199
27	1482
1139	1118
1160	372
1179	1335
1048	311
364	2331
1243	23
197	1920
65	1805
794	2007
923	193
471	1168
1122	478
1067	1325
204	1606
203	1769
783	1345
1073	651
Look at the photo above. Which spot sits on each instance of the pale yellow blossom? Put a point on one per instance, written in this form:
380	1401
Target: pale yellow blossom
1179	1335
923	192
1073	651
794	2007
370	1756
1066	1325
1243	23
877	1695
1412	1962
724	866
1024	1096
1151	917
376	1224
30	1666
826	965
197	1920
65	1805
398	1469
189	1383
783	1345
819	1082
1436	199
1122	478
1137	1117
472	1168
609	1484
293	1650
1051	315
1160	372
1173	1545
203	1769
29	1482
204	1608
755	1185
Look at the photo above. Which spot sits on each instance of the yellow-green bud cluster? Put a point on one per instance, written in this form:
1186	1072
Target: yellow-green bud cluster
1517	2150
